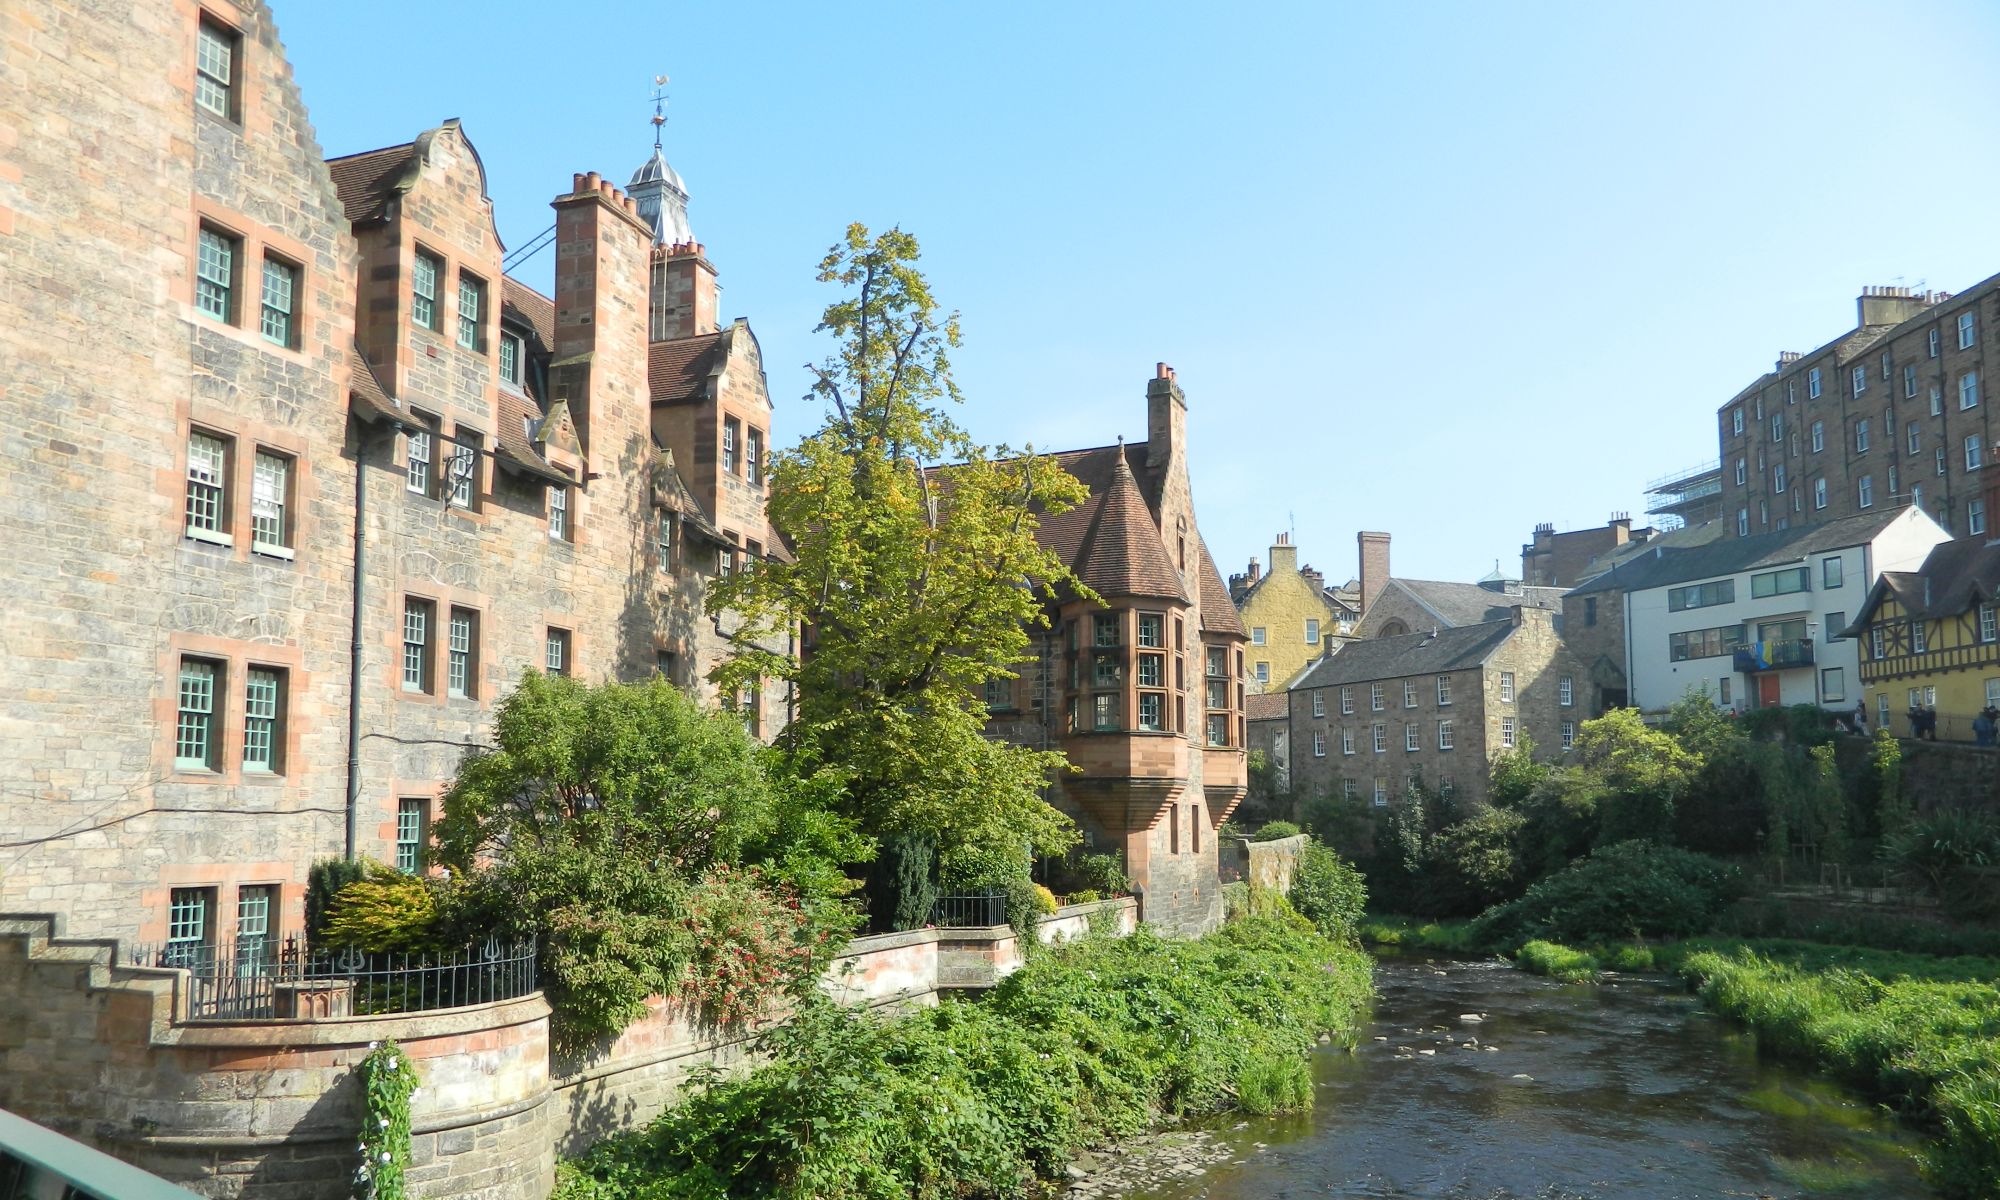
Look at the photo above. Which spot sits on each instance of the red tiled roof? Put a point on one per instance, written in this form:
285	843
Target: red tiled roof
1218	615
1267	706
678	369
366	181
1121	553
536	309
1064	532
371	399
516	449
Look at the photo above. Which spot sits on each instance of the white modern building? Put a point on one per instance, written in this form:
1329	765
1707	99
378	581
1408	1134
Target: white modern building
1754	622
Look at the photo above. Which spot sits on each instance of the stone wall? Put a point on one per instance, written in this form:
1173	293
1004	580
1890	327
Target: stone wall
1935	774
1262	864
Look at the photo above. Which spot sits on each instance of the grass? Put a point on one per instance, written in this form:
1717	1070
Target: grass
1557	962
1419	933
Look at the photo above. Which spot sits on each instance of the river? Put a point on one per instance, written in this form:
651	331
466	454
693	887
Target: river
1559	1092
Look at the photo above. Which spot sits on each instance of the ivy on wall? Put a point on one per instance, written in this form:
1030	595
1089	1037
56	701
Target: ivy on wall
388	1082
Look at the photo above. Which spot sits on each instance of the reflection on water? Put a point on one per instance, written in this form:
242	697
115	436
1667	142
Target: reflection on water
1481	1082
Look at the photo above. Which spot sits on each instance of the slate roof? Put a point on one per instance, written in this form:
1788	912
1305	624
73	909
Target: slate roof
1669	565
679	369
516	449
1455	604
1265	706
1406	654
1685	537
1121	553
368	181
1963	572
537	310
1218	615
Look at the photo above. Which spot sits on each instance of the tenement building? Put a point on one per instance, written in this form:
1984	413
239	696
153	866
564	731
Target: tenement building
300	481
1433	709
1145	690
1288	610
1893	412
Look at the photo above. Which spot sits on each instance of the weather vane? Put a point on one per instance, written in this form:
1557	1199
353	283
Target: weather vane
659	107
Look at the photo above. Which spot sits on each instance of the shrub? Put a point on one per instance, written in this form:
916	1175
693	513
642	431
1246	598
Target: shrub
1086	896
1273	830
384	911
1103	873
747	942
1620	892
1472	865
1557	962
1949	853
1328	892
903	886
323	883
1275	1083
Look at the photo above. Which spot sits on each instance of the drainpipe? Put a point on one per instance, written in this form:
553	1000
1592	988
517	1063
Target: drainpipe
354	640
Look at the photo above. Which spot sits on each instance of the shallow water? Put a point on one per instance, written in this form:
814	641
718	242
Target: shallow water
1630	1090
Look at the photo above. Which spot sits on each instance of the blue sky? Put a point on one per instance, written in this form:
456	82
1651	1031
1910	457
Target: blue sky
1445	270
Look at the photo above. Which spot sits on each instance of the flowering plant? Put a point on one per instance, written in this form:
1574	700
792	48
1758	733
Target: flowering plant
388	1082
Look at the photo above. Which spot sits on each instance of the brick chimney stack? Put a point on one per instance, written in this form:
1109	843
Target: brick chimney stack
602	248
1166	422
1374	554
685	300
1284	555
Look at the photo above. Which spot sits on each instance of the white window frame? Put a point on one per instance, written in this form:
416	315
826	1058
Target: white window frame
1968	390
462	469
270	494
1861	436
461	653
216	49
1968	330
1346	701
1566	692
1319	744
1975	452
263	719
1379	737
1257	635
1346	740
198	722
1376	701
1813	385
1989	622
277	300
1411	738
558	512
1506	687
1910	381
1913	438
1859	378
1312	631
513	354
471	295
1975	515
1444	690
1864	492
206	507
1569	735
1319	703
419	614
556	651
1818	436
1409	693
417	449
1507	733
1832	683
216	253
424	272
1444	735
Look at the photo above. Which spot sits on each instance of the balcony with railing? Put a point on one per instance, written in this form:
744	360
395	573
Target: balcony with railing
1755	657
263	979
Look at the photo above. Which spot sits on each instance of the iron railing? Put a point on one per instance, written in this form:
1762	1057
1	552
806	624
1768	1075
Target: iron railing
1753	657
240	980
971	910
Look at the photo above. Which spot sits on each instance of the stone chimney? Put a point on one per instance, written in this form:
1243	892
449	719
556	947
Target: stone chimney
684	298
1314	580
1284	556
1374	554
600	352
1166	423
1255	572
1888	305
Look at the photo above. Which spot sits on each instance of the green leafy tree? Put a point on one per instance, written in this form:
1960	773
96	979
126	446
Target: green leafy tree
916	582
1644	771
1515	774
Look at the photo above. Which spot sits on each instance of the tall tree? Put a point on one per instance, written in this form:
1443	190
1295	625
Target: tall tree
914	571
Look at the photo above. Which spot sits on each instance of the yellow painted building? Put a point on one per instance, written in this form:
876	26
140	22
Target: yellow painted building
1289	617
1930	638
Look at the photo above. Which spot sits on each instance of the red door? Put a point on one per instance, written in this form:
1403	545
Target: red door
1767	691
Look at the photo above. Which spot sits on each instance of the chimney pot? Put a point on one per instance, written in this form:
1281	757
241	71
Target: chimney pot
593	179
576	183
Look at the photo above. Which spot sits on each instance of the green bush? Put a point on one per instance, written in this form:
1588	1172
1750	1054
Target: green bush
1328	892
1103	873
1557	962
903	884
1472	865
1093	1040
384	911
1621	892
1273	830
323	883
1950	853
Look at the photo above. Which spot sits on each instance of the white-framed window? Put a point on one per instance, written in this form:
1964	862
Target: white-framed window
190	938
1861	436
1736	419
559	512
255	942
412	816
462	654
1347	789
1968	390
1910	381
1937	400
1967	330
1934	342
1569	735
215	273
275	320
1975	515
1818	436
471	305
1444	690
1875	642
1865	491
1763	512
1444	735
1917	495
1257	635
1888	365
1913	438
1742	471
215	53
1974	455
1989	623
1742	522
462	470
555	651
1889	424
207	503
1791	391
1409	693
1410	735
1832	683
1892	479
1507	732
1882	710
1778	430
1813	385
263	719
1381	792
1312	631
1919	637
1319	704
732	435
1319	744
1993	693
1860	378
417	459
270	497
513	352
1381	737
1778	479
424	274
1566	692
753	457
1375	700
197	725
418	615
1263	672
1346	740
1346	701
1506	687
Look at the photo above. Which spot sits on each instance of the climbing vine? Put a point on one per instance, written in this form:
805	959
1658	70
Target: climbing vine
388	1081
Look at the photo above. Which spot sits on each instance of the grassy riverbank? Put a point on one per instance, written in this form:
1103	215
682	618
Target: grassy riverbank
1088	1043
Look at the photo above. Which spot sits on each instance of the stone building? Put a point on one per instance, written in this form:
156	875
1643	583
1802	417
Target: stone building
1145	692
1438	706
301	482
1393	606
1288	611
1891	413
1563	560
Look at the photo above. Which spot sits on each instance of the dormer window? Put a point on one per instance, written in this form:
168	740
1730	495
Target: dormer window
731	434
471	303
753	457
215	54
424	289
512	350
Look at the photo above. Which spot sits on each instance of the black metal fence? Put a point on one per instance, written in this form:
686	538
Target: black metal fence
241	980
971	910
